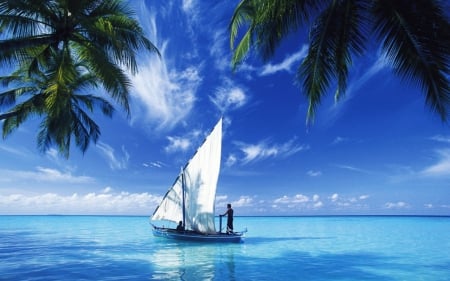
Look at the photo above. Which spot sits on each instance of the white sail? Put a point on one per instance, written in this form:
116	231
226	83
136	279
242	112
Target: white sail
200	177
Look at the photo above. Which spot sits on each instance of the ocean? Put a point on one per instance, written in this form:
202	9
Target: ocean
275	248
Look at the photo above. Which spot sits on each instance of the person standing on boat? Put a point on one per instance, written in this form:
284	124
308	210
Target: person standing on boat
229	214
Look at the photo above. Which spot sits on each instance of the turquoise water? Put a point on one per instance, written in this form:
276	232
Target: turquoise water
275	248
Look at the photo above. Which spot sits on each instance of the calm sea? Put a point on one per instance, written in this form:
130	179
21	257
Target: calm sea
275	248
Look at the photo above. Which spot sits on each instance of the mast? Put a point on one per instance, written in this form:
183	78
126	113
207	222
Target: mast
183	192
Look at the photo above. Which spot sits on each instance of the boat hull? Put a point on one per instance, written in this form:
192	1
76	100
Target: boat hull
197	237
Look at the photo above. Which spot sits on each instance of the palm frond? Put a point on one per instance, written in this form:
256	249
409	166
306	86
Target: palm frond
20	113
416	38
84	128
242	49
317	69
242	15
267	22
113	78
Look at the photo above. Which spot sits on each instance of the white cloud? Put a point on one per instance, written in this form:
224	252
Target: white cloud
12	150
354	169
318	205
339	140
349	203
165	92
441	168
312	173
298	201
285	65
115	162
264	150
53	154
298	198
378	65
188	5
396	205
243	201
218	50
229	97
221	198
177	144
42	174
231	160
334	197
91	203
155	164
441	138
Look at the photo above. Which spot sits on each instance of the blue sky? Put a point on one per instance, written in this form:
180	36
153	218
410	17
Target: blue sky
378	151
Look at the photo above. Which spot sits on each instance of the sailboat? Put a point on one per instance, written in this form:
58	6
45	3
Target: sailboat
190	200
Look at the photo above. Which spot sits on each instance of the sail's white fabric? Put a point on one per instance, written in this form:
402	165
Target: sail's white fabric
200	174
171	207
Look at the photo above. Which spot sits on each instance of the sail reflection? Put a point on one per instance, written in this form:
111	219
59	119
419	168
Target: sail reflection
190	261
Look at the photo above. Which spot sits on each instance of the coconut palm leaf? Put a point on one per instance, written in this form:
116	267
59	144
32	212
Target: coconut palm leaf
64	105
414	35
64	49
335	36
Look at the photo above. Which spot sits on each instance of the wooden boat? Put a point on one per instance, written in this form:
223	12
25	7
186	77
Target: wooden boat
190	200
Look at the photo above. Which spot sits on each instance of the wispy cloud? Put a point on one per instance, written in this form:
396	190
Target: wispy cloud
229	97
43	174
380	64
166	98
339	140
217	50
104	202
182	143
312	173
363	197
396	205
286	64
334	197
188	6
296	202
441	167
344	202
440	138
177	144
165	90
231	160
243	201
352	168
154	164
377	66
116	162
13	150
264	150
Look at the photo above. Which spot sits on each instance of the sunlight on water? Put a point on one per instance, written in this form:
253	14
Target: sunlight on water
292	248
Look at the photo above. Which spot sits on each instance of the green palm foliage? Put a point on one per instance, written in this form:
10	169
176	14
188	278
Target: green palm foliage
63	103
62	48
415	36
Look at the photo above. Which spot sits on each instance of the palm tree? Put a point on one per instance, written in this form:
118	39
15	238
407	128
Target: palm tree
62	103
415	36
68	41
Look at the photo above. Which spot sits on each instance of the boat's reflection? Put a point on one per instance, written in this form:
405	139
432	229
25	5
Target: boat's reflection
194	261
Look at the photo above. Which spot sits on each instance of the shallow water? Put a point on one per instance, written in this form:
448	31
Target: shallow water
275	248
